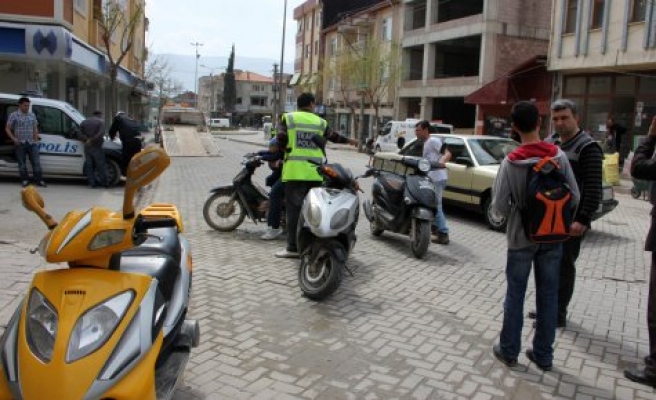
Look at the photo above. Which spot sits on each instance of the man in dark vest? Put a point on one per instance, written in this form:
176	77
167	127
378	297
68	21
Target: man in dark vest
586	157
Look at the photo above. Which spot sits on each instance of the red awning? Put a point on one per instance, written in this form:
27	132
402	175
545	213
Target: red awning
497	91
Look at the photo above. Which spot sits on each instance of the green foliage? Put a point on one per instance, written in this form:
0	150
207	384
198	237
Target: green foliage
229	84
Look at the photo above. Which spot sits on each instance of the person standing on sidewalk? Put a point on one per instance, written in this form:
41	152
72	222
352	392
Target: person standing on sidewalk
434	152
508	195
295	135
643	166
128	131
22	129
586	157
93	135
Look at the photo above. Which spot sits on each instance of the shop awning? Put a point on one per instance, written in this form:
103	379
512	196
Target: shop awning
501	90
295	78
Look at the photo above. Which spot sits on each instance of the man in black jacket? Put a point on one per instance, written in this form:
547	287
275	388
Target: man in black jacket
586	158
128	131
643	166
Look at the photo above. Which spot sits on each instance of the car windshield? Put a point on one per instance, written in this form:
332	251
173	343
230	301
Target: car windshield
74	111
490	151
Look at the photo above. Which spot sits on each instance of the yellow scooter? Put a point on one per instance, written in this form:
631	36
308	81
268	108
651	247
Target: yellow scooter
112	325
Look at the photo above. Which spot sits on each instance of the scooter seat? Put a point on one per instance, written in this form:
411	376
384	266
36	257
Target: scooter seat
168	245
159	259
159	266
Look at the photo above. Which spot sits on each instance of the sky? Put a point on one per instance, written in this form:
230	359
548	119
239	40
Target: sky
253	26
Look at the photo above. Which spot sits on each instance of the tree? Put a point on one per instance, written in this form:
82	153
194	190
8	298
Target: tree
229	84
365	71
117	29
164	87
378	71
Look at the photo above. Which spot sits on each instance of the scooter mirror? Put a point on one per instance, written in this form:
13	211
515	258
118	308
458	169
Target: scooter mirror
144	168
33	201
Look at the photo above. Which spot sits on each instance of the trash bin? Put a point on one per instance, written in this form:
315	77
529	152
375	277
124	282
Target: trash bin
611	169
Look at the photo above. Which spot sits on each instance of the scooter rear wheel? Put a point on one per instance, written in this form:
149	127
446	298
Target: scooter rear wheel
375	230
222	213
320	279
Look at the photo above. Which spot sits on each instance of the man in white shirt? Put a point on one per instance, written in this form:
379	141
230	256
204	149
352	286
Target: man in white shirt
436	154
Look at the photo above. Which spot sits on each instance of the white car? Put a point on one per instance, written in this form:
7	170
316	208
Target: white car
61	153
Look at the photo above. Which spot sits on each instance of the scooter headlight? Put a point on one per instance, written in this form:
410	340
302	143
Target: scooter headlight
424	165
107	238
95	326
314	216
41	330
339	219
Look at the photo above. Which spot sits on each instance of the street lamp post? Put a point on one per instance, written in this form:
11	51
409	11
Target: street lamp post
196	44
282	94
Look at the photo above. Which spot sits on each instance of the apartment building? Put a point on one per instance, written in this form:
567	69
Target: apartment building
603	55
53	47
450	49
360	69
308	47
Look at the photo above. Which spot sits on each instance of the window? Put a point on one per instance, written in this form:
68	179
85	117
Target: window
300	26
570	20
307	51
597	14
259	101
53	121
316	47
386	29
81	6
317	17
308	23
574	86
599	85
333	46
238	100
639	10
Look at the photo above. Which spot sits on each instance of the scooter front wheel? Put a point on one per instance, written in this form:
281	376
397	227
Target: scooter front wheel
223	213
321	277
421	236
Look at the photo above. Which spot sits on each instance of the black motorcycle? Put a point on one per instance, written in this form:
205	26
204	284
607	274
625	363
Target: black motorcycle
227	206
404	201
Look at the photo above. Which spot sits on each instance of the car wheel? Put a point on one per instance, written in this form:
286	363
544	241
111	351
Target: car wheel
113	172
493	219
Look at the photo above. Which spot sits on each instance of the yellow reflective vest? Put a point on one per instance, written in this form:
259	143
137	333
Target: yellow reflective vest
301	126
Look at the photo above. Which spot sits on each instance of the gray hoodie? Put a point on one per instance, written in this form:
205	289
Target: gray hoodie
510	186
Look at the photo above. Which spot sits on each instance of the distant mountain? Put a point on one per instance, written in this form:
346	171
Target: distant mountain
183	66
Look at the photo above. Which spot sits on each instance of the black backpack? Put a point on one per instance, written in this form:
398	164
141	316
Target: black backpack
547	212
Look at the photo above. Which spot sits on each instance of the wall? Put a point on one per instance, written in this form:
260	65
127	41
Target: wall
34	8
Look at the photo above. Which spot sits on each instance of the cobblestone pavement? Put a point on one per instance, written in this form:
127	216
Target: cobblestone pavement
400	327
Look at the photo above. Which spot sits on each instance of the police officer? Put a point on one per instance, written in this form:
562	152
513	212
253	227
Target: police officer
295	133
128	131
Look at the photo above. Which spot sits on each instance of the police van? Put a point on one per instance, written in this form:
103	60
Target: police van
387	141
61	151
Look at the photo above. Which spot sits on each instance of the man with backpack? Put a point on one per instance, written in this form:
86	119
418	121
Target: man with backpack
586	158
534	172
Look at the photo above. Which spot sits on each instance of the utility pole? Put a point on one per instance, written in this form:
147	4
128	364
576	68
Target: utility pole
283	93
196	44
276	89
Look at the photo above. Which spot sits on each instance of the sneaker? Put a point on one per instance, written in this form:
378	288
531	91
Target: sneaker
25	183
531	356
287	254
496	350
41	183
271	234
440	238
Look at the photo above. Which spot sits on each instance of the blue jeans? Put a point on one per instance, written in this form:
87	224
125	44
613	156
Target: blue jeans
440	219
275	204
546	258
94	160
24	150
